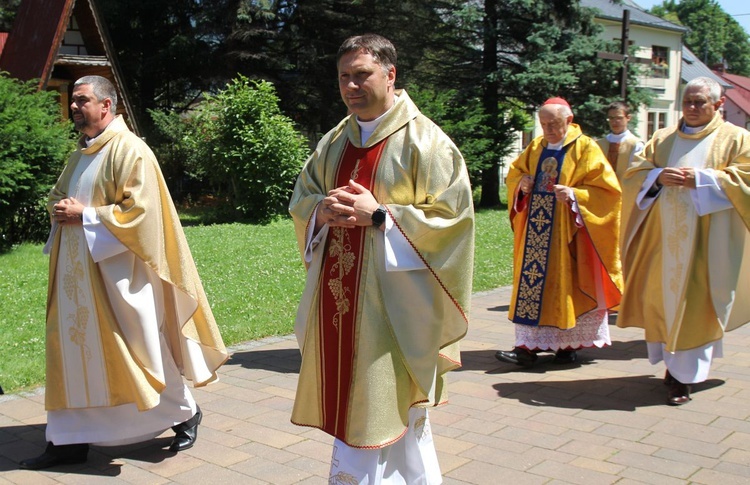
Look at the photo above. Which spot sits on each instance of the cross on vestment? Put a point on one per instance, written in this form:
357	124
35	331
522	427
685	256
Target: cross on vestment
623	55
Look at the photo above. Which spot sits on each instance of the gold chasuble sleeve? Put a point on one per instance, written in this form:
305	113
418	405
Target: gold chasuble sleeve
686	273
404	326
555	270
132	200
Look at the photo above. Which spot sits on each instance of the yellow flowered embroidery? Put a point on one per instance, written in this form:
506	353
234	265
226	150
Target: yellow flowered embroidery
339	249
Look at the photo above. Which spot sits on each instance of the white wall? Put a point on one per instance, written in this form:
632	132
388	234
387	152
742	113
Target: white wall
667	91
734	115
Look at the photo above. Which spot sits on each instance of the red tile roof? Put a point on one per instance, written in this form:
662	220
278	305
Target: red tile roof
740	94
30	51
3	38
33	47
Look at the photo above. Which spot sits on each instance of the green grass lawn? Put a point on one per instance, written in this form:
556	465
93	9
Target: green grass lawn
253	276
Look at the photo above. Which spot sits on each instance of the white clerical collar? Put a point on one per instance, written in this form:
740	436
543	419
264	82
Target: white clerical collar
367	128
691	130
90	141
558	145
613	138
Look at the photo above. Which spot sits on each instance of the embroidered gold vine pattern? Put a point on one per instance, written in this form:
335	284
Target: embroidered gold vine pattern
421	428
675	236
79	319
342	478
355	172
340	249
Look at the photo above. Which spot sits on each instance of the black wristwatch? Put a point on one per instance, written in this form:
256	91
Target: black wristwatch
378	217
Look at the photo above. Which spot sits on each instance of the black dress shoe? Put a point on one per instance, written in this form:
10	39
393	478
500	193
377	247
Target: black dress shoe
565	357
186	433
57	455
678	393
518	356
668	379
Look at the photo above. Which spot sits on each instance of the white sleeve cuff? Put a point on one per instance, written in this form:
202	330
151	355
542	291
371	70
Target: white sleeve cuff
708	196
314	239
101	242
399	253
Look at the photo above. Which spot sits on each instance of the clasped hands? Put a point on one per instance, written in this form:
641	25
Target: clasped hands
677	177
563	193
68	211
348	206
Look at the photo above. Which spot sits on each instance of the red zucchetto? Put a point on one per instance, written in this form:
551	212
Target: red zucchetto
556	100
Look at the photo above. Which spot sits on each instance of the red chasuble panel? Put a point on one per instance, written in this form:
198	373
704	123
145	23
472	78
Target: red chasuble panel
339	291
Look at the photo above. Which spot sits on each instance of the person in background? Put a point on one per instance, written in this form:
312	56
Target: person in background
620	145
686	248
127	316
384	220
565	214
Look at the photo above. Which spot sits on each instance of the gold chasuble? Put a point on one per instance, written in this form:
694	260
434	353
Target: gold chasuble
687	274
558	265
103	344
376	342
619	155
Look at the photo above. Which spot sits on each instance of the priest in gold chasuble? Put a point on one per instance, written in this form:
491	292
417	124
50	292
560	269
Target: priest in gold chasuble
384	220
565	215
686	247
127	316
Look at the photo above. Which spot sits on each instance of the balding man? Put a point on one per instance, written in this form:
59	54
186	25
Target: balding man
686	249
565	214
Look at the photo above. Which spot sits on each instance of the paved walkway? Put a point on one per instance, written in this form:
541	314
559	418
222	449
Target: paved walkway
602	420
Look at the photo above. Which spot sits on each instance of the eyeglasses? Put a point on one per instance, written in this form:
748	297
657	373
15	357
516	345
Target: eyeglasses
616	118
698	103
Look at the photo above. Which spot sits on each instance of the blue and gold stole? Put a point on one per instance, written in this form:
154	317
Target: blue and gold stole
539	224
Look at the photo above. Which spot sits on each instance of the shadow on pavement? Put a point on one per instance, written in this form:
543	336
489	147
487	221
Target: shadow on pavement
485	359
285	361
20	442
609	394
501	308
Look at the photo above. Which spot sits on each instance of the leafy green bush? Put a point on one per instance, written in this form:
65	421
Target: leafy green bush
242	147
179	159
34	145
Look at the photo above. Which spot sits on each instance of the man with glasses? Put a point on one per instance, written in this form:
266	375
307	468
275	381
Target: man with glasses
686	248
565	212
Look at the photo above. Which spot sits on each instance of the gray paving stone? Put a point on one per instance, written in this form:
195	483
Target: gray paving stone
603	421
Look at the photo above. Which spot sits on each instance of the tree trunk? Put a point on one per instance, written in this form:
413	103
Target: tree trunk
490	177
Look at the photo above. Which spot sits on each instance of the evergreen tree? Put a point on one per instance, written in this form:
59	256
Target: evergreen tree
533	50
167	49
8	9
34	144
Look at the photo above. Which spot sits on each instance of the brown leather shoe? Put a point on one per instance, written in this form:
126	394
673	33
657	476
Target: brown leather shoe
678	393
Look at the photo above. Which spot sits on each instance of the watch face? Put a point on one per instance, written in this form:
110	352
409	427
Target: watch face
378	217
